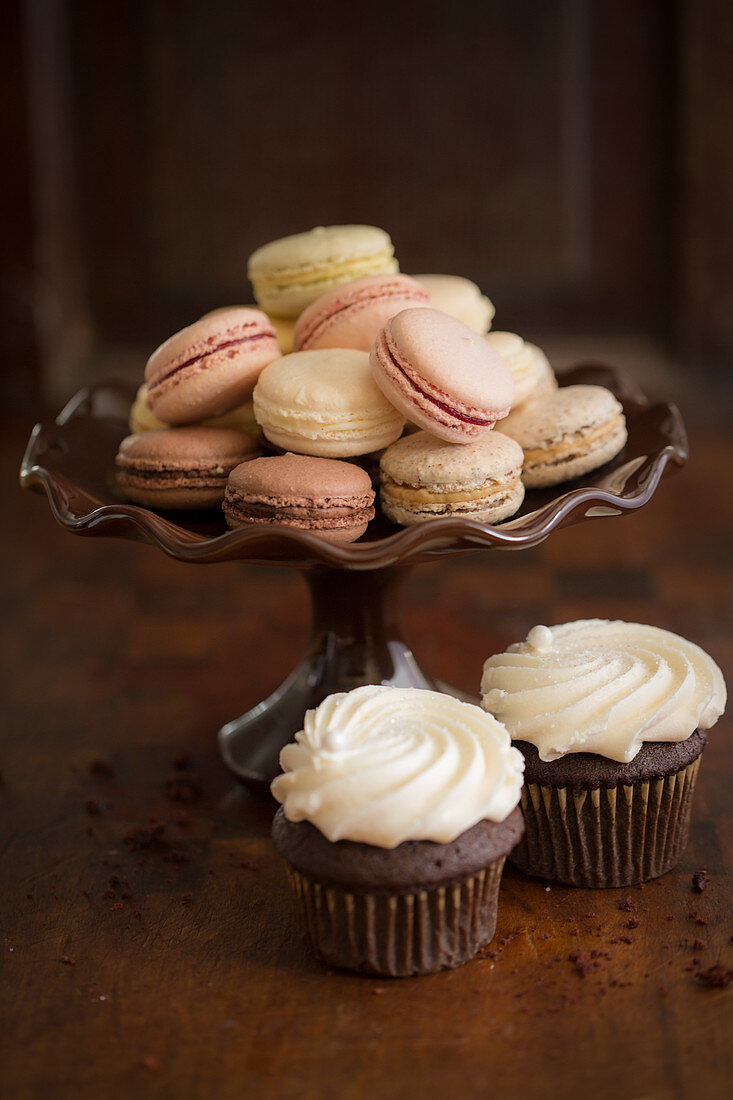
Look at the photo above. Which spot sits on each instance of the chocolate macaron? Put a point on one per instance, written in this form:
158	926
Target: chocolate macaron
180	467
324	496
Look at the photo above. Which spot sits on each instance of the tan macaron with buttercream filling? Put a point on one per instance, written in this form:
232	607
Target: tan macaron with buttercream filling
567	433
424	478
460	298
325	403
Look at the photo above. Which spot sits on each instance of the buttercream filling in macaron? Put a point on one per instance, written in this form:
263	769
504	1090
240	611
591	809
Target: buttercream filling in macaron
327	514
436	398
310	274
414	495
212	475
193	360
555	453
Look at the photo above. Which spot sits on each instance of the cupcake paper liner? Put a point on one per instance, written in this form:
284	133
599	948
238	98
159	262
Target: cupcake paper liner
398	935
606	836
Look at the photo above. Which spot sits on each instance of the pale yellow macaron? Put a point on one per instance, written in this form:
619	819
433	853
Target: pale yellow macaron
424	478
566	433
143	419
325	403
290	273
529	366
460	298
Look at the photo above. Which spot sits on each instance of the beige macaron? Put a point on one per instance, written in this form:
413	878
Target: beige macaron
424	478
459	298
566	433
528	365
325	403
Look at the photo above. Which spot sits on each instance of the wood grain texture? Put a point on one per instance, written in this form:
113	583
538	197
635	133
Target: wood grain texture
177	968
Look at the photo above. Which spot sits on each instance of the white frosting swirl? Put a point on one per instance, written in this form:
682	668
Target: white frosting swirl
383	765
602	687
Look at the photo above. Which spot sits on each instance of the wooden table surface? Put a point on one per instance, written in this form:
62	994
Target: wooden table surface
149	946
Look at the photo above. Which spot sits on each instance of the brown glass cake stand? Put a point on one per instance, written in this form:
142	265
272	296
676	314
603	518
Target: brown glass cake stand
356	636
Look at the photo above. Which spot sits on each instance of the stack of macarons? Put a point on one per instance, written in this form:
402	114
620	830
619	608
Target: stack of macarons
346	362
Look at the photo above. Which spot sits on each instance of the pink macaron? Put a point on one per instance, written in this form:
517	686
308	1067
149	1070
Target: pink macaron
351	315
442	375
210	367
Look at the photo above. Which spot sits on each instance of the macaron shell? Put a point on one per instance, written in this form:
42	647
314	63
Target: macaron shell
325	403
351	315
441	374
290	273
210	367
460	298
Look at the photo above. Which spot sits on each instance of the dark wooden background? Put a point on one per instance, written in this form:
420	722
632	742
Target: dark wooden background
573	156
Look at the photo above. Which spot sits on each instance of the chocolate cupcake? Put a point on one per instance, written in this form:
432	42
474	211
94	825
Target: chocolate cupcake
610	719
399	807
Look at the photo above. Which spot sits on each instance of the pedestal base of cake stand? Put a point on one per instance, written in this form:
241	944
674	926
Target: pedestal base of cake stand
356	639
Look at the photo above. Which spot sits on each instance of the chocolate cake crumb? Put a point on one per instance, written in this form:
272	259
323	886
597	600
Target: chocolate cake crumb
92	807
632	922
717	977
116	907
67	960
701	920
101	768
141	838
699	945
700	880
627	906
183	788
584	965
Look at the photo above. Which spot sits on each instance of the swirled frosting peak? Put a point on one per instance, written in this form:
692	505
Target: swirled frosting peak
383	765
602	687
